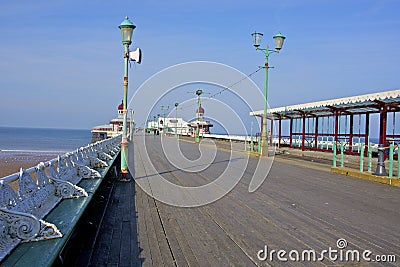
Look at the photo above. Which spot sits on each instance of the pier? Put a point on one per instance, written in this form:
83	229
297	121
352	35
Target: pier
300	206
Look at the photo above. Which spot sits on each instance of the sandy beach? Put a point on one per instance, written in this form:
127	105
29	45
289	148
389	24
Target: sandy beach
11	161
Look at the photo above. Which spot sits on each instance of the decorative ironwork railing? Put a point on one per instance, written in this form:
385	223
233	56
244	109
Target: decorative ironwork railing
28	196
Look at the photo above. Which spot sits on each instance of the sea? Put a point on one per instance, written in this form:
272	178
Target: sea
40	140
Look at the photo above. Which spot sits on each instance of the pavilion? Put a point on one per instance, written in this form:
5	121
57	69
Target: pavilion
341	120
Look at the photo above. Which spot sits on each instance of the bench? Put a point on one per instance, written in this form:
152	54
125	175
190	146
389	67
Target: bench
38	218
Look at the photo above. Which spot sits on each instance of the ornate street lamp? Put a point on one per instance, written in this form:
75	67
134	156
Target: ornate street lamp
176	119
131	125
158	124
198	93
278	39
126	28
164	109
257	38
154	125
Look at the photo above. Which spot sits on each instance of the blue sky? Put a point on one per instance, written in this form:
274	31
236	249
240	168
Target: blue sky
61	62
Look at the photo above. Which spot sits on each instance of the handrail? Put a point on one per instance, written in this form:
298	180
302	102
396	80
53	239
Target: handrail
22	211
13	177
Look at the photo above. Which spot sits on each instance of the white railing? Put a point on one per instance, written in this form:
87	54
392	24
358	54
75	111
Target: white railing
28	196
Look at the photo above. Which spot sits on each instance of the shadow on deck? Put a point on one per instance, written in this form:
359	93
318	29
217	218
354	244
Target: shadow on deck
107	234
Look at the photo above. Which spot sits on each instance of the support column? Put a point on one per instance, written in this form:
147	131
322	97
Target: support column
336	139
279	132
366	136
271	132
291	134
262	122
303	133
351	133
336	126
124	139
316	133
382	124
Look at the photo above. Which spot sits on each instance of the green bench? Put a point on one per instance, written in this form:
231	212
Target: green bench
65	217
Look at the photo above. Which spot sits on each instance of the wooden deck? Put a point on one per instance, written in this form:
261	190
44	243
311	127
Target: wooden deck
297	207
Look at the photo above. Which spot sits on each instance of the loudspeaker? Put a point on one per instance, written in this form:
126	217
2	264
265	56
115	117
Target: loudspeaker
136	55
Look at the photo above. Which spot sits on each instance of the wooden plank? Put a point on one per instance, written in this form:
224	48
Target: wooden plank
143	241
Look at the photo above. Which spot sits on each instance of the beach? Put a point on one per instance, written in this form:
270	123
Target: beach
26	147
12	161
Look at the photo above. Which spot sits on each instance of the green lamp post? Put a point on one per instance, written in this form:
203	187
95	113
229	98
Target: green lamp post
158	124
164	109
279	39
176	119
131	125
154	125
126	28
198	93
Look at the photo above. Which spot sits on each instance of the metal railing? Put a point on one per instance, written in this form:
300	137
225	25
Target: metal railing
390	152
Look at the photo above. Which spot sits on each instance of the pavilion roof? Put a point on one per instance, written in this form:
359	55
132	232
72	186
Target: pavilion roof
361	104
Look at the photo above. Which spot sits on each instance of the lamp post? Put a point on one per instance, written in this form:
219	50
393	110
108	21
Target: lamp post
163	109
158	124
176	119
131	125
251	137
126	28
153	125
198	93
279	39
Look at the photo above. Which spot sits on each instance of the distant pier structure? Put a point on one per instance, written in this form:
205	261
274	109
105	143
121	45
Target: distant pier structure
317	125
114	128
201	122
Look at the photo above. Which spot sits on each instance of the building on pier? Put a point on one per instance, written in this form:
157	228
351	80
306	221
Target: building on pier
179	125
112	129
169	126
317	125
200	122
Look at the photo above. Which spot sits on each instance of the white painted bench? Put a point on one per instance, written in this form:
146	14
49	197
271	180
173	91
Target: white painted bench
35	211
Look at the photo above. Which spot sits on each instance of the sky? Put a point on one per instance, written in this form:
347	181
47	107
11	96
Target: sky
61	62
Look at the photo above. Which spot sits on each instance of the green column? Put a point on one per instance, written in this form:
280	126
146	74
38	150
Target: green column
158	123
398	164
164	133
341	154
251	138
369	157
124	142
264	137
197	139
391	150
362	157
334	155
176	120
